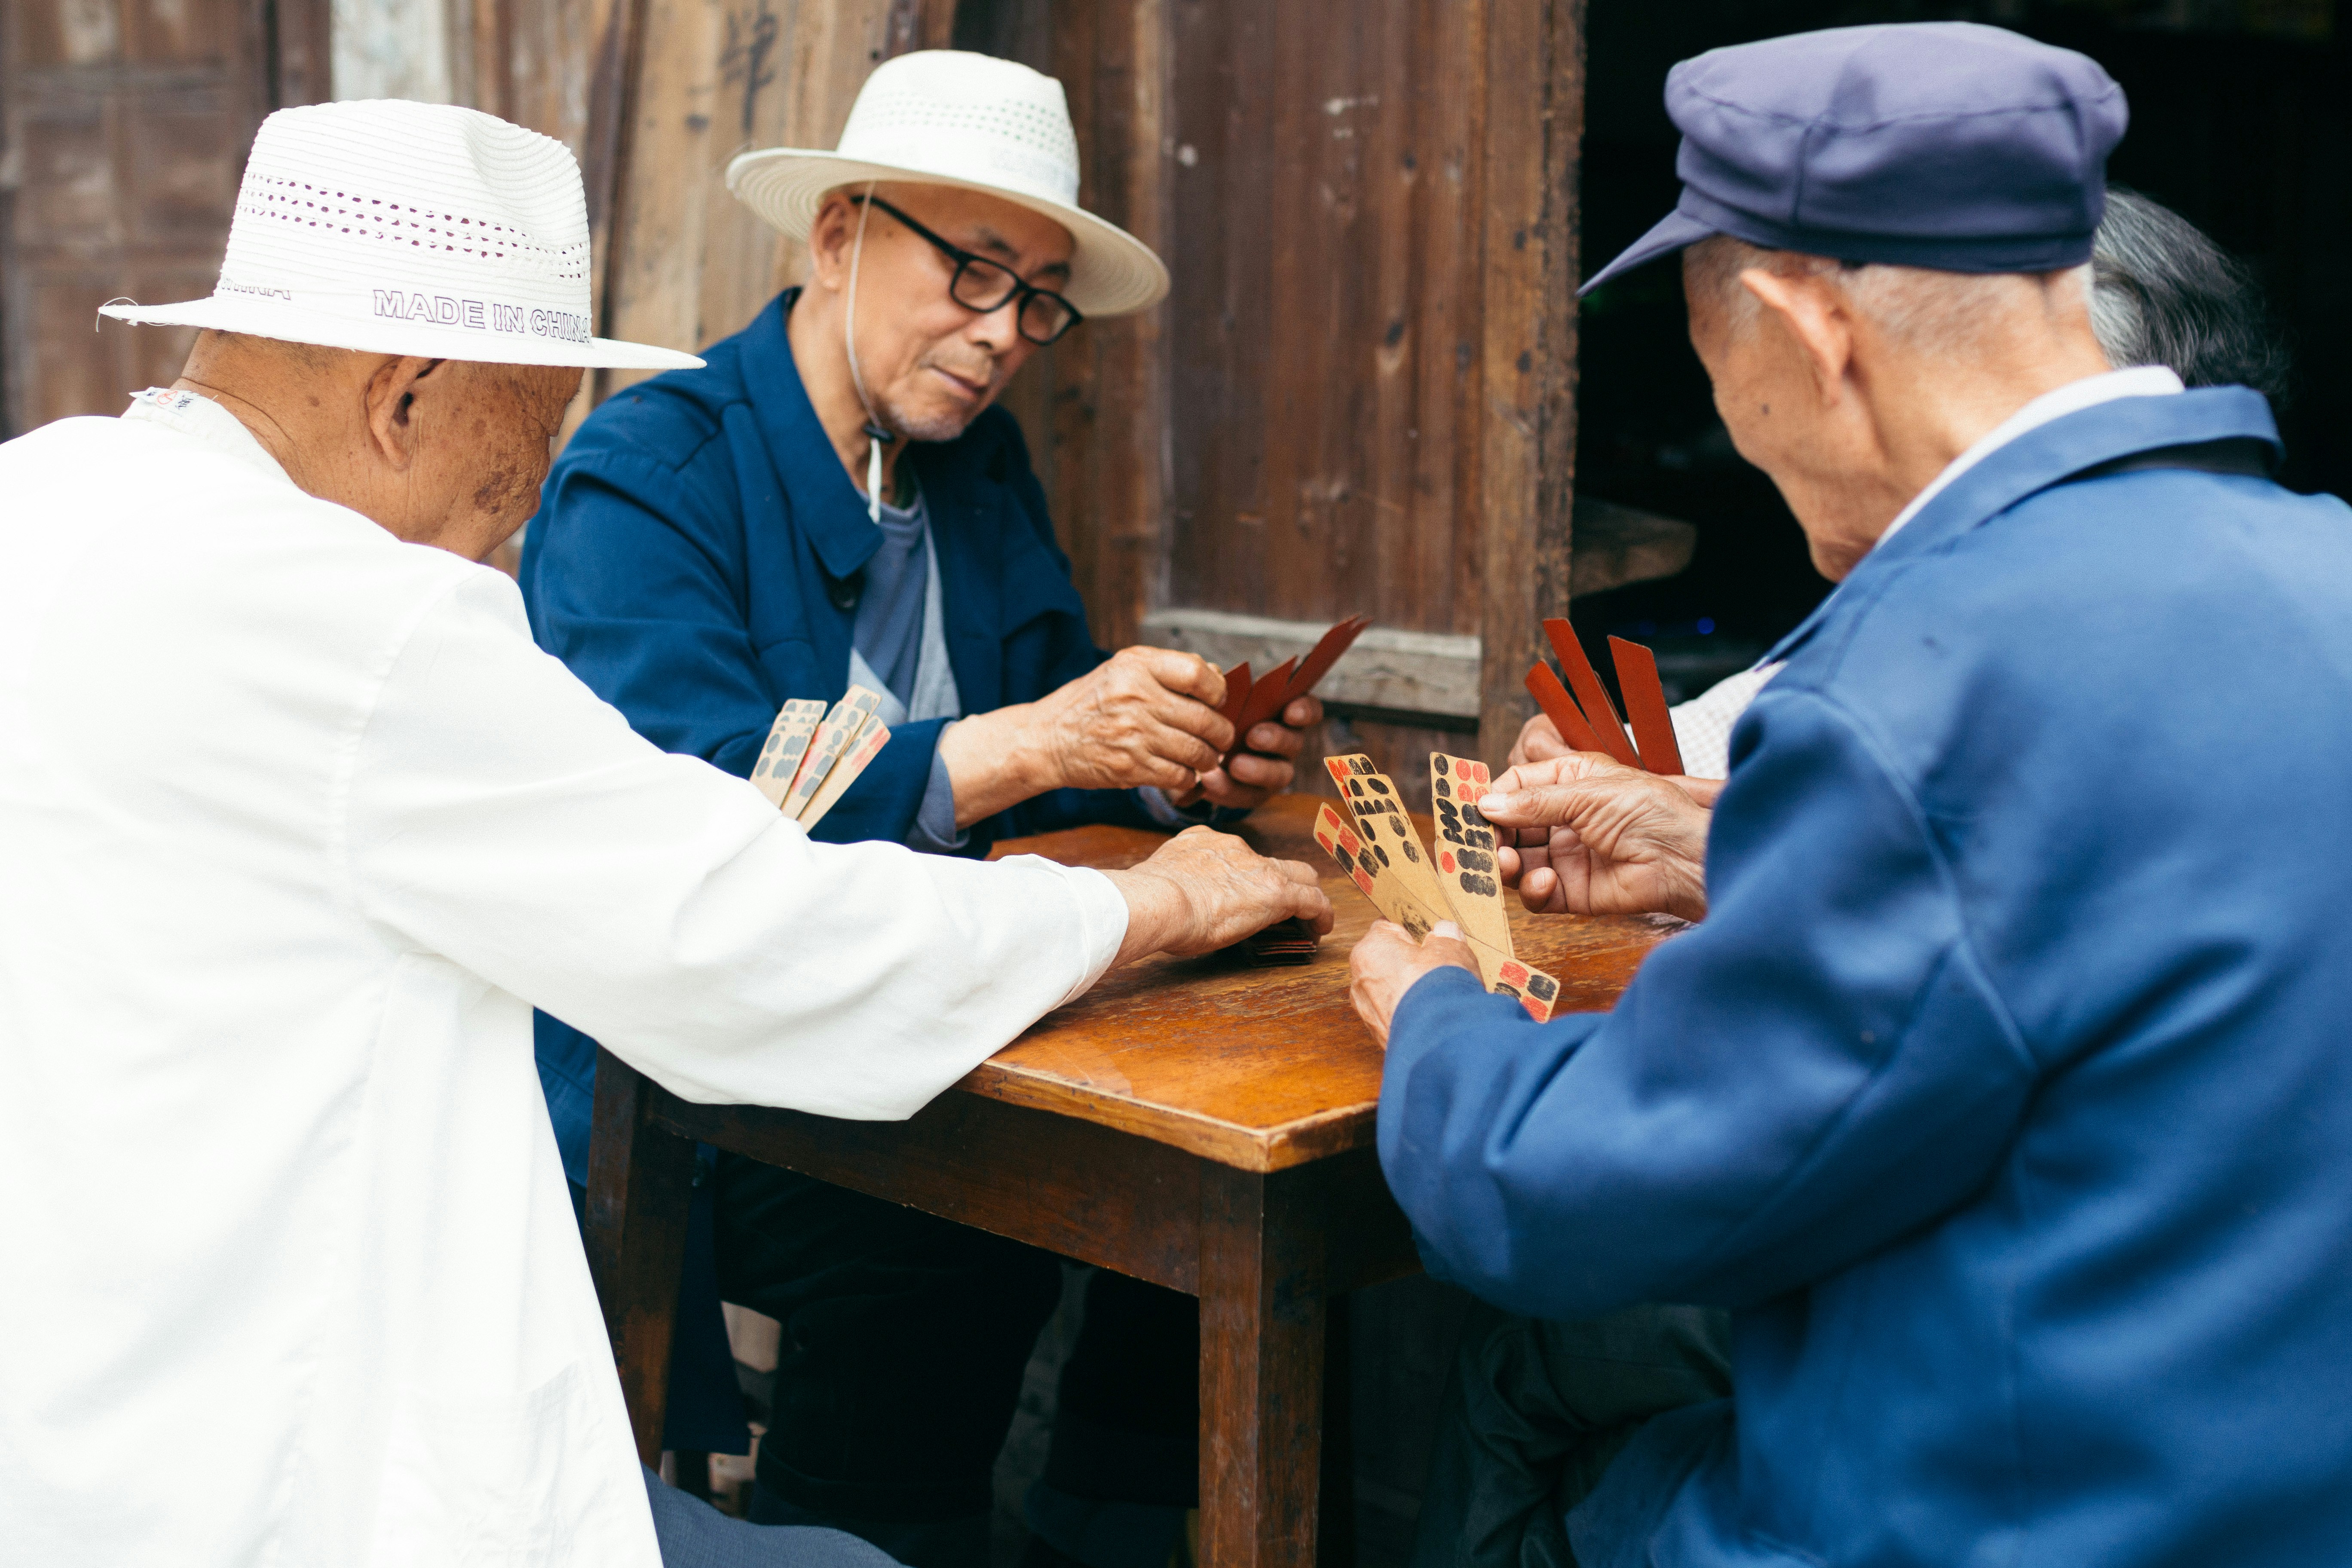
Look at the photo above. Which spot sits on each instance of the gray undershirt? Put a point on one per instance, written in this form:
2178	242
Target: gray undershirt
901	649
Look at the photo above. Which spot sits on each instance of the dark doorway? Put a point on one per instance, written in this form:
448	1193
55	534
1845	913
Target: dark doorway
2241	121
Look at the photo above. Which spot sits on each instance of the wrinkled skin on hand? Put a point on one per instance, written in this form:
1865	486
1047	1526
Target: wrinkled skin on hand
1265	767
1581	833
1144	716
1388	962
1203	891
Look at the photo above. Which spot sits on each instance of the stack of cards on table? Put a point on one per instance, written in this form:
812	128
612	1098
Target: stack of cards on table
1588	721
1375	845
812	756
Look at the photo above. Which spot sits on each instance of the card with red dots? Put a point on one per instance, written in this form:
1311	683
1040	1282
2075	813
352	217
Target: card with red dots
1467	872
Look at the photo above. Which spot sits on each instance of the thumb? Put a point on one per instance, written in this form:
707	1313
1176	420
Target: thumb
1536	806
1444	942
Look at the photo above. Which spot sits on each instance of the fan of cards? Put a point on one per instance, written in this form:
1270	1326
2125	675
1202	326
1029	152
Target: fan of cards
1587	722
813	755
1249	703
1375	845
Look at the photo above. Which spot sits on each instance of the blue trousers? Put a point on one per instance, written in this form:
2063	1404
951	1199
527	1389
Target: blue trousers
693	1534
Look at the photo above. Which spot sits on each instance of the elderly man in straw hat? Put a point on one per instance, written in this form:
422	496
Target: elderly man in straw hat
834	501
299	825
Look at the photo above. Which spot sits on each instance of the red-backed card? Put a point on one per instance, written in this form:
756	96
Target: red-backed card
1590	695
1237	691
1562	710
1265	700
1326	653
1646	706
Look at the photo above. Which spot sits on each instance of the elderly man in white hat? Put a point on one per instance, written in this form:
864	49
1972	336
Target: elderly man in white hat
299	825
834	501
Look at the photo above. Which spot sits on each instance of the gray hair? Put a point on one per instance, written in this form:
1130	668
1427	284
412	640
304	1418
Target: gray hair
2162	293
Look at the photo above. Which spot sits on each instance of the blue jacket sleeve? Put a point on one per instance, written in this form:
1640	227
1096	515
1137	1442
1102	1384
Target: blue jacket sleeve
1818	1068
627	583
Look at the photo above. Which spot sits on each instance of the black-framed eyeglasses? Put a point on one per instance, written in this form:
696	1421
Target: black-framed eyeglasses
981	286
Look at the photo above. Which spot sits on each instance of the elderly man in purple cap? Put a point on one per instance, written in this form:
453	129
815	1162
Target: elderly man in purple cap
1999	1097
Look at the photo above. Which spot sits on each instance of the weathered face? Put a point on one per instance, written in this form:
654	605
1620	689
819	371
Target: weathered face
490	448
929	364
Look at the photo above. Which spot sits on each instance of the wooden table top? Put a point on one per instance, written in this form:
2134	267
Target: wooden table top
1259	1068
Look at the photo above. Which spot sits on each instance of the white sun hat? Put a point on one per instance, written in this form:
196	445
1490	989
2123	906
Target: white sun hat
410	228
943	117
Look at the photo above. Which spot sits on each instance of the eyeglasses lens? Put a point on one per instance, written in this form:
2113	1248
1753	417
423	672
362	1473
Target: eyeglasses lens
984	286
1043	319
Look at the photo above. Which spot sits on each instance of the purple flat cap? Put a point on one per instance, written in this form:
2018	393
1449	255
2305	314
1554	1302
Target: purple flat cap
1939	144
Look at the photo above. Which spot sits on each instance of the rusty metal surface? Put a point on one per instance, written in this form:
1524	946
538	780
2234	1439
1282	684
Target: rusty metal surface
1260	1069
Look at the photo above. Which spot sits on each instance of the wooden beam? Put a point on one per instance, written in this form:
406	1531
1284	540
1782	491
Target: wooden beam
1529	121
1410	672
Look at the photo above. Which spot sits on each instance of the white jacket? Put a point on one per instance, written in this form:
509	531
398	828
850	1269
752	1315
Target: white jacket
296	825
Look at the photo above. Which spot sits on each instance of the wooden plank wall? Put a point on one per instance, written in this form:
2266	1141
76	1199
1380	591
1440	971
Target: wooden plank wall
125	134
1359	397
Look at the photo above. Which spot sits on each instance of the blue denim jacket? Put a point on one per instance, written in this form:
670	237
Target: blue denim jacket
687	563
2005	1094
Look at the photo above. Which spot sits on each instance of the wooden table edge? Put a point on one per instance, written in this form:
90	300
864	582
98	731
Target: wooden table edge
1262	1149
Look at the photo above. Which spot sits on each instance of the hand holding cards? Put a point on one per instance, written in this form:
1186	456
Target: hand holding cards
1383	856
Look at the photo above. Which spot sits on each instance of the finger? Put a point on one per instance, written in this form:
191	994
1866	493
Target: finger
1181	747
1186	672
1444	943
1506	864
1304	712
1536	887
1544	806
1297	871
1276	740
1260	773
1180	712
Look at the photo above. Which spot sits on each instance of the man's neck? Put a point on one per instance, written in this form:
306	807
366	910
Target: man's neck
1925	415
813	327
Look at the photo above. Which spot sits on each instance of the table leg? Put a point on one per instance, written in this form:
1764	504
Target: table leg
640	1179
1262	1343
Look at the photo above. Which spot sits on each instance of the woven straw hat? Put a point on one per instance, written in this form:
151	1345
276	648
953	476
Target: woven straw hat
943	117
410	228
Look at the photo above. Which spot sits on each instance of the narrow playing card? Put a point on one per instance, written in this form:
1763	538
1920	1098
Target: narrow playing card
862	751
1646	706
1373	879
1562	710
788	741
1237	691
1317	664
1265	701
1535	990
1467	872
841	727
1590	695
1381	822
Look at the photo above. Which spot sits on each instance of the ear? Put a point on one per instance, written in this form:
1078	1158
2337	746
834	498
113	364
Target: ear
829	240
1814	318
392	393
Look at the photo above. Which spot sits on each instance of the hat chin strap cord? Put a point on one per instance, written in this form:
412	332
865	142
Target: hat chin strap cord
876	436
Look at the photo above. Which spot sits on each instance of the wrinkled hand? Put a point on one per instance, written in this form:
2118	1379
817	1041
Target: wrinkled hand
1202	890
1388	961
1538	742
1581	834
1144	716
1264	769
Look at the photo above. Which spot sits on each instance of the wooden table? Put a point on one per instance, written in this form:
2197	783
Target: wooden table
1189	1121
